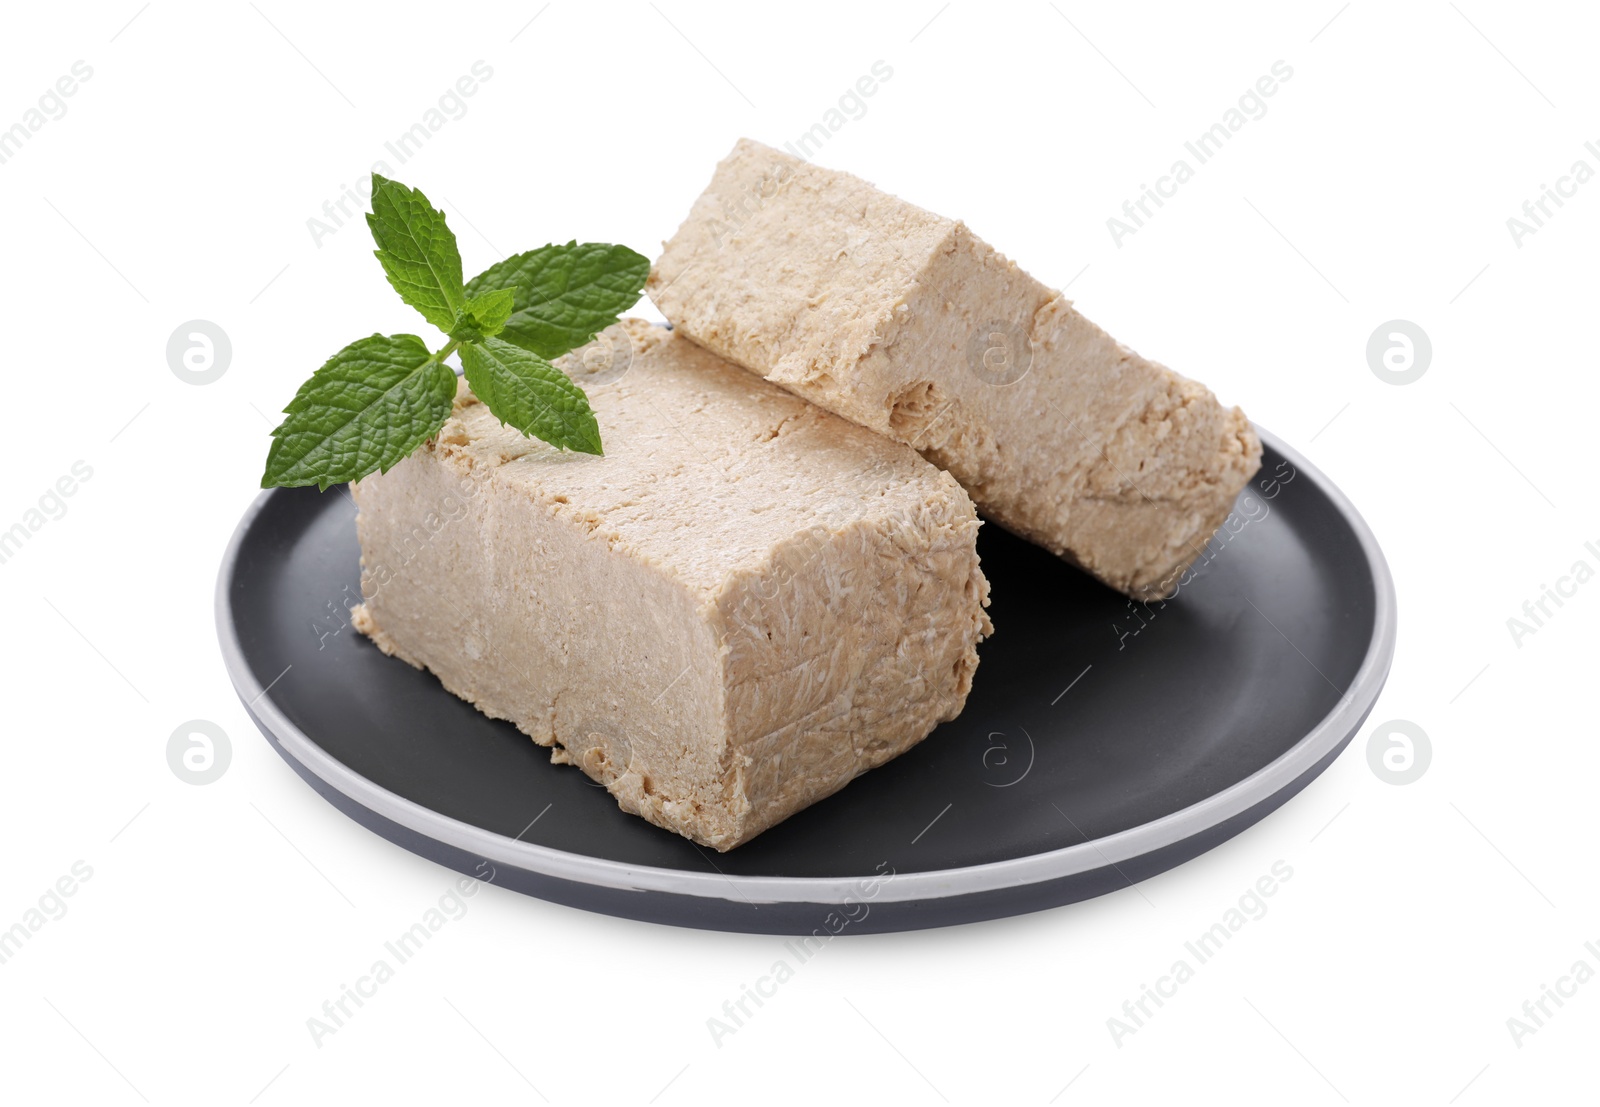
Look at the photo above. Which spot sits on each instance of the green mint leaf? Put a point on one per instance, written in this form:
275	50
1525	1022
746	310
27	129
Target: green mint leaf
374	402
483	316
530	394
417	250
565	295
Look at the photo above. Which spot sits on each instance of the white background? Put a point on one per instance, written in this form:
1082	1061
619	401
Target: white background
178	185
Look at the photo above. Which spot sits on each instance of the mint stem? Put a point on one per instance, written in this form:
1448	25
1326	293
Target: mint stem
447	351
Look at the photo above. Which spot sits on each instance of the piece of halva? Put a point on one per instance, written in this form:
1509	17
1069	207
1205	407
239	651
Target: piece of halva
906	322
743	605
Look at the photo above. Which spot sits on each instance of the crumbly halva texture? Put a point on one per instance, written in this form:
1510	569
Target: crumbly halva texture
906	322
746	603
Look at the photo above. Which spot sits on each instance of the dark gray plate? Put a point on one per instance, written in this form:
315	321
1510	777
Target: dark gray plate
1104	741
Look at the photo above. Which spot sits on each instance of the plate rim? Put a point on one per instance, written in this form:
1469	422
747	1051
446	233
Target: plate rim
1329	733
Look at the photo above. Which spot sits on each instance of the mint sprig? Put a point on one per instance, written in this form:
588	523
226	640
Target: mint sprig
565	295
374	402
379	398
418	251
483	316
532	395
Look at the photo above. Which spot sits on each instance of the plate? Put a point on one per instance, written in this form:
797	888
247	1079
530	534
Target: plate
1104	740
